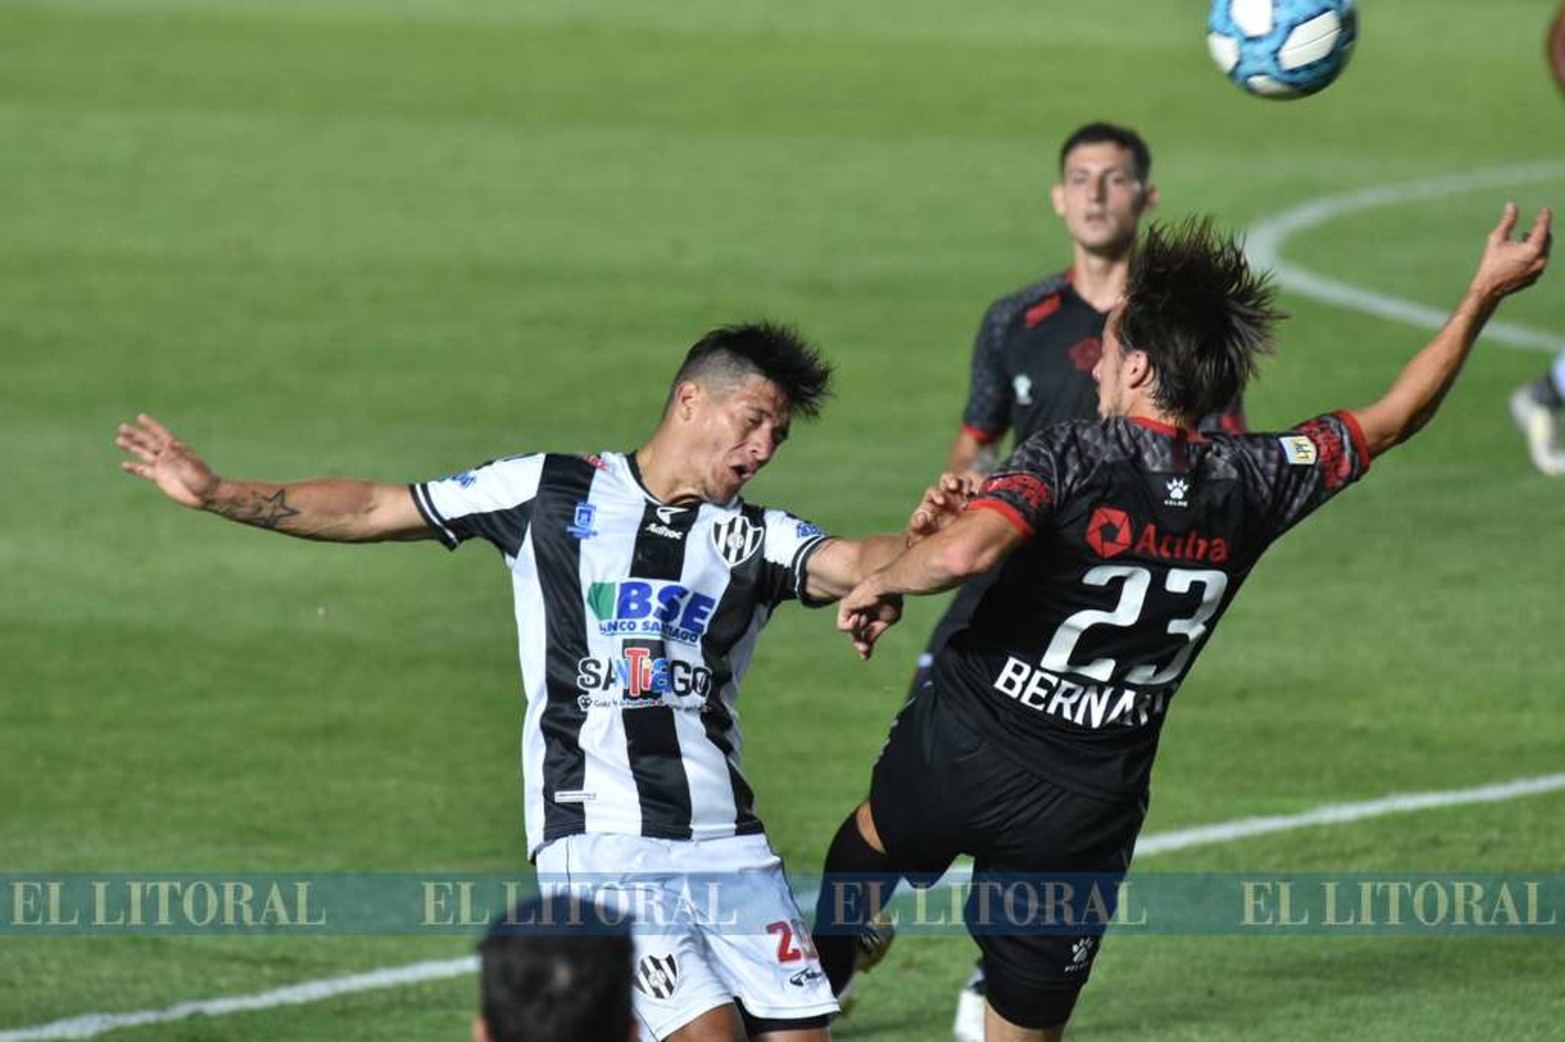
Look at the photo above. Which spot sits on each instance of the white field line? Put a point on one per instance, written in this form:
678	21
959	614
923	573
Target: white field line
1265	239
91	1025
1264	245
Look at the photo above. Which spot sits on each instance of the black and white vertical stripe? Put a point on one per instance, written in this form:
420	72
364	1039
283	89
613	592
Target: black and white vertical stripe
598	757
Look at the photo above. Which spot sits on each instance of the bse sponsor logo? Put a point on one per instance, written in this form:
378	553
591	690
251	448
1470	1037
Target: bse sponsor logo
737	539
651	609
466	479
640	678
1110	533
1299	450
1093	706
1081	954
657	976
805	530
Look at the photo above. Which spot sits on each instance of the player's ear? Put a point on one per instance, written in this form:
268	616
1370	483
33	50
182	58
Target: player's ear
480	1030
1136	370
1149	198
687	396
1057	197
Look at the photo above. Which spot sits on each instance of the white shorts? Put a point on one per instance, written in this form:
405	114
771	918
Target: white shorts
714	921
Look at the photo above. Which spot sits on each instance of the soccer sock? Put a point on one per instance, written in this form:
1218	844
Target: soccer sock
1552	386
856	881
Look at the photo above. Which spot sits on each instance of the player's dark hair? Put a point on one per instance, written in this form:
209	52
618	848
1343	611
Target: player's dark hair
766	349
1199	312
556	969
1109	133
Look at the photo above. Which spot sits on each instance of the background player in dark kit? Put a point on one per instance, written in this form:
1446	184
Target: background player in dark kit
641	583
1036	347
1122	542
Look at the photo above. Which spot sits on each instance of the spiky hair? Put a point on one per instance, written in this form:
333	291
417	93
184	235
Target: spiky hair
1200	313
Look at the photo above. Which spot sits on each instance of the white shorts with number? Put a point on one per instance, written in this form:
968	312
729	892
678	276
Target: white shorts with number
714	920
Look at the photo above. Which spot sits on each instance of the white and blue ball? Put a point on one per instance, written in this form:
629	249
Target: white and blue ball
1281	48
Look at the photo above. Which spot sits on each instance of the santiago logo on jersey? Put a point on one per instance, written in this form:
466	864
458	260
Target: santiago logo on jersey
651	609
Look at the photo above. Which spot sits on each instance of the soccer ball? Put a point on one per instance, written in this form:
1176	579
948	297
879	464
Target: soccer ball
1281	48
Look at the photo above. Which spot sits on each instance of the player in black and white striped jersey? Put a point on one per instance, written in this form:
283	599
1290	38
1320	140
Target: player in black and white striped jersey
641	583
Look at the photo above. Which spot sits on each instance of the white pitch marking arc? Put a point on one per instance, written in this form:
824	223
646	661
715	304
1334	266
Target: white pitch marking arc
91	1025
1265	239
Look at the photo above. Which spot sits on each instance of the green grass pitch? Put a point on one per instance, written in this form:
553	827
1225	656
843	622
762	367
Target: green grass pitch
391	239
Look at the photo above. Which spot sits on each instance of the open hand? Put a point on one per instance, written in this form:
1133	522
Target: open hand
164	460
1508	266
942	503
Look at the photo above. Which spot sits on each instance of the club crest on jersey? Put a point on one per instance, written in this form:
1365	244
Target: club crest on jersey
657	976
581	523
737	539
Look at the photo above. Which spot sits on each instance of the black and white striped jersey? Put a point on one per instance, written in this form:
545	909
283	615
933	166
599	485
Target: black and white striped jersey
636	621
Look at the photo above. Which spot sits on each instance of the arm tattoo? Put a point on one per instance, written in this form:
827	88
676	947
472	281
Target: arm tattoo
256	509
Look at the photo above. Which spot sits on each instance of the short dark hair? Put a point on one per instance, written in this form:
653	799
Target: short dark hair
557	969
767	349
1124	137
1199	312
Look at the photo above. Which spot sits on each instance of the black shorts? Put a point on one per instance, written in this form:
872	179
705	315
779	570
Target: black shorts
940	789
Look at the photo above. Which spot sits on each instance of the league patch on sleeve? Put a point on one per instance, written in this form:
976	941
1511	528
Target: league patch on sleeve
1299	450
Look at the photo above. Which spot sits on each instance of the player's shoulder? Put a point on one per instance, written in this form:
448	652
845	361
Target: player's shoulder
1069	444
1006	308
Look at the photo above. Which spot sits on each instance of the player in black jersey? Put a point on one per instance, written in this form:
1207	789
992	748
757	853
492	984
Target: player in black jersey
1035	352
1121	543
1036	347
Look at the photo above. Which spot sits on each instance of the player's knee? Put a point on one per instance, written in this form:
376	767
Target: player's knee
1028	1004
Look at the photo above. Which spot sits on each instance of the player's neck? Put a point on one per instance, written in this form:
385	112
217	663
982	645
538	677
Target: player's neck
1099	279
663	472
1141	407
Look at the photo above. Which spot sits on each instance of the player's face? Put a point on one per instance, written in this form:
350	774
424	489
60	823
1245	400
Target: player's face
1110	370
1100	198
740	431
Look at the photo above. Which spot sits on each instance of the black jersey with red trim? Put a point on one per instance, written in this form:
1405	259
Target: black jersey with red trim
1033	360
1138	536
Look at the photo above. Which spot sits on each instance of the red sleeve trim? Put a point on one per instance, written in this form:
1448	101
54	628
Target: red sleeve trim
984	437
1360	443
1006	511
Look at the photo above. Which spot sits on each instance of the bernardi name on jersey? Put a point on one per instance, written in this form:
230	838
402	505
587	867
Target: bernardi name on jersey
636	620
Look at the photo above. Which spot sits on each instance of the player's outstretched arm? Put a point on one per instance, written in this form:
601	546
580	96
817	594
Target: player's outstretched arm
973	544
842	564
1507	267
330	509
